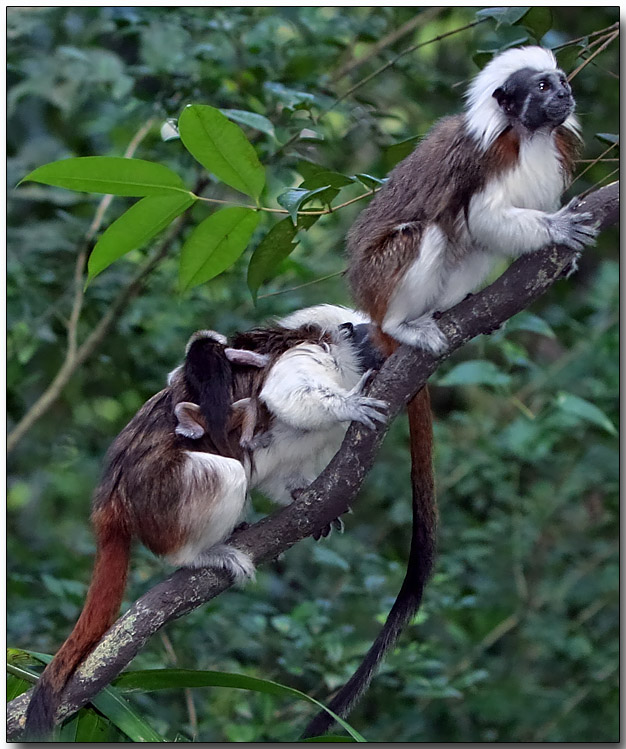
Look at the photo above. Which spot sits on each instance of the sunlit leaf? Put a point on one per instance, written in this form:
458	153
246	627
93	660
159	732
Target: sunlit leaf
222	148
136	227
109	174
215	245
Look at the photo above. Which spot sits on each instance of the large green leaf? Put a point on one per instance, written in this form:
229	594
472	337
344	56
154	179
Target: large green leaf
178	678
135	227
113	175
277	244
215	245
222	148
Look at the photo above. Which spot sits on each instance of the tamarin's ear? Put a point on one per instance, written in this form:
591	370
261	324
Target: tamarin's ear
190	421
241	356
504	99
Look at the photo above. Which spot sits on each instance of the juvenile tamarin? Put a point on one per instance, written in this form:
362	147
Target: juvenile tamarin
482	185
177	476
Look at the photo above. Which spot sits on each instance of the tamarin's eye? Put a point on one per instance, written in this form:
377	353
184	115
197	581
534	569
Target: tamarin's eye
543	85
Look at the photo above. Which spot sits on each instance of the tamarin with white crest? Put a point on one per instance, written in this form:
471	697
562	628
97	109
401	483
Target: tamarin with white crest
483	185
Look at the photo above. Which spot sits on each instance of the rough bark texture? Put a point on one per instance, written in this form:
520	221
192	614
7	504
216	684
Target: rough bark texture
336	488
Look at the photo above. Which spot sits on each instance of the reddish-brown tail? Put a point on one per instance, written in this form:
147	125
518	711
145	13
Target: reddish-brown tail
102	605
421	560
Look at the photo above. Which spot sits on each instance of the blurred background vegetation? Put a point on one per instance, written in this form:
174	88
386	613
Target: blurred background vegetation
518	636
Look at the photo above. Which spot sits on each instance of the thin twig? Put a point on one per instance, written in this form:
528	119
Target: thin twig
587	36
594	54
418	20
68	366
302	285
191	707
285	212
395	59
97	335
595	161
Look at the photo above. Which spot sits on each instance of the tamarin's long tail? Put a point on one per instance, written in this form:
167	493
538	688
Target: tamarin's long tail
102	605
421	560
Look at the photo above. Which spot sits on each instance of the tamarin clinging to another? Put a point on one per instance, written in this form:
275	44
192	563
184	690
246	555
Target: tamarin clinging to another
177	476
483	185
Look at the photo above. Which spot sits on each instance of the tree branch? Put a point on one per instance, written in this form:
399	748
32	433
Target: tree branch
335	489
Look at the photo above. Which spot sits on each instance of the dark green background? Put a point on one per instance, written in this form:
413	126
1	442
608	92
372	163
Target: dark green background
517	639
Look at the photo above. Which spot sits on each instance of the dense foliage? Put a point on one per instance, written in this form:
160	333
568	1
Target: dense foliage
517	639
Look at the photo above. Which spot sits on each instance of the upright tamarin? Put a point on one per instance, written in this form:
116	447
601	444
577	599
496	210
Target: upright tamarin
177	476
482	185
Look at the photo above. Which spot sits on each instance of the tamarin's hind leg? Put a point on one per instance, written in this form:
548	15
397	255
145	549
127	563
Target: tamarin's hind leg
214	501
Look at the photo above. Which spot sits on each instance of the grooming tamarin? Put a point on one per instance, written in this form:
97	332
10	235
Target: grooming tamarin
318	360
482	185
177	476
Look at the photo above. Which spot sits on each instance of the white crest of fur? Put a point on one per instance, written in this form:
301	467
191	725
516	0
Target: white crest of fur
326	316
485	120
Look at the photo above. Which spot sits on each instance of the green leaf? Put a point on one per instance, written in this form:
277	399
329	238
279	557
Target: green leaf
296	197
111	704
222	148
251	119
215	245
476	372
326	179
290	97
527	321
611	138
178	678
567	57
584	411
370	181
277	244
503	16
16	686
134	228
92	728
309	169
112	175
400	150
538	21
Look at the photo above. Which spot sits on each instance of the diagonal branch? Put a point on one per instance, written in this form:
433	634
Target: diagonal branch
336	488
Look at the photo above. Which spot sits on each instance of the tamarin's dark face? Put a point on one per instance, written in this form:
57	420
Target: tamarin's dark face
536	98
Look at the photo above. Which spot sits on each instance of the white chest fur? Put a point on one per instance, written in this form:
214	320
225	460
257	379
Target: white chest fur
537	180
